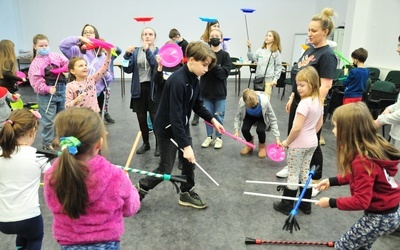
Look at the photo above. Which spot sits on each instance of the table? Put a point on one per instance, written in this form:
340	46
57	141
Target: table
23	60
121	68
239	65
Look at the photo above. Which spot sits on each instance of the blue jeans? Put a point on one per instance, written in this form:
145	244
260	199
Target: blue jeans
110	245
217	108
57	105
167	158
29	232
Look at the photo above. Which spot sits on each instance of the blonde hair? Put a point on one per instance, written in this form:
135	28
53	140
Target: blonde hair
356	133
276	45
7	57
325	18
310	75
250	98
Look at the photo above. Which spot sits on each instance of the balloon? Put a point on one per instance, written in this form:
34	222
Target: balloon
171	55
276	152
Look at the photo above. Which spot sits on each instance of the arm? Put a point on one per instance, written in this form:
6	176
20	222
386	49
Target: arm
326	85
12	97
296	128
69	46
71	96
103	70
129	195
151	58
36	78
389	118
277	68
238	118
158	74
319	124
273	121
349	79
130	56
221	71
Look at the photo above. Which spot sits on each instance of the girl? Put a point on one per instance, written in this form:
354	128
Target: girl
368	164
8	62
322	58
210	26
87	195
255	108
51	98
213	87
142	64
81	91
75	46
302	139
20	174
269	61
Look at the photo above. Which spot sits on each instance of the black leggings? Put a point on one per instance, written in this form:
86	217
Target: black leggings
142	118
248	122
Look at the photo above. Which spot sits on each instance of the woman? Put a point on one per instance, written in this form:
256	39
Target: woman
322	58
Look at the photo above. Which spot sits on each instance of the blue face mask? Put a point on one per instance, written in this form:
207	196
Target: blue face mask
43	52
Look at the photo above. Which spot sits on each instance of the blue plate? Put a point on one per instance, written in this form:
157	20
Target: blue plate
248	10
208	19
227	38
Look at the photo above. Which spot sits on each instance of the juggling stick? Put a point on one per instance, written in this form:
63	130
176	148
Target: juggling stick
279	183
51	97
279	197
202	169
251	241
245	19
134	146
233	137
342	57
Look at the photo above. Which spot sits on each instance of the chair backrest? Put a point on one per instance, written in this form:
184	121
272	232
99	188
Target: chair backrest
253	68
394	77
234	70
374	74
383	90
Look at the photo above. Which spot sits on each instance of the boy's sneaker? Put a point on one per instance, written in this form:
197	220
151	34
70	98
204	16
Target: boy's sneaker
207	142
284	173
191	199
142	192
218	143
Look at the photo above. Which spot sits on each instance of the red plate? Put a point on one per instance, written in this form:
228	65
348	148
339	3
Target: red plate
143	18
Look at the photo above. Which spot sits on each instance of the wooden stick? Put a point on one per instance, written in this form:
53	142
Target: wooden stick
280	183
134	146
280	197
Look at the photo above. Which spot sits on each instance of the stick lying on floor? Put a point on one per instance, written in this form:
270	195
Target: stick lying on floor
279	183
280	197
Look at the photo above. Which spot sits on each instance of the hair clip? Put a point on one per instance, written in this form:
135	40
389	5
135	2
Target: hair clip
36	114
7	121
71	143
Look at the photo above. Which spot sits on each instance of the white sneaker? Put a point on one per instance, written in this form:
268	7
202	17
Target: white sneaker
218	143
207	142
284	173
315	192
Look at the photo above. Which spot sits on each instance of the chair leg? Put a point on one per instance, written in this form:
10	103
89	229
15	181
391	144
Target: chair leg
248	85
283	92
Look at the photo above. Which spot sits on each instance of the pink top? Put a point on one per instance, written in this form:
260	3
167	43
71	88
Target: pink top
87	88
111	197
36	70
312	110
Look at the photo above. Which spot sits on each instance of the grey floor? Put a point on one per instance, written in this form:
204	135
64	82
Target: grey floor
231	215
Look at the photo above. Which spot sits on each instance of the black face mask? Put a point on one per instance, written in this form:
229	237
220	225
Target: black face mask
355	65
215	42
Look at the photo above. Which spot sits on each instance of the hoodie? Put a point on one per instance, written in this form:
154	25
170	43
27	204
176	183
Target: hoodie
377	192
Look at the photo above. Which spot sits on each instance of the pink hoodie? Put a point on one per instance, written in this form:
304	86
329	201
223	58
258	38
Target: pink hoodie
111	197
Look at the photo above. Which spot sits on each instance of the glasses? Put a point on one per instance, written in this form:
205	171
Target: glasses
88	32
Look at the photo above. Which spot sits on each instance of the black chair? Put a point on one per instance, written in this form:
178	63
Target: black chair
252	71
234	71
394	77
374	74
382	94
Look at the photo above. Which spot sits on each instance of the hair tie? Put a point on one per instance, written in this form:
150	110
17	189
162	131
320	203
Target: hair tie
71	143
7	121
36	114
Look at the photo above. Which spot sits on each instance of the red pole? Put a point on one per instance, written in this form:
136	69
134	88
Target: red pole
250	241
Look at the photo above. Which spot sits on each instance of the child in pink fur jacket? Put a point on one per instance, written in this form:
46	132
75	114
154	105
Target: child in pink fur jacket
87	195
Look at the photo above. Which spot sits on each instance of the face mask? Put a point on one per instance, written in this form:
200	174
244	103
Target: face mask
43	52
355	65
215	42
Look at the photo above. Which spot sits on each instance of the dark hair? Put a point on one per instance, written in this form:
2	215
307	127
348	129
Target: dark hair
173	33
200	51
96	35
71	65
21	122
360	54
206	35
69	175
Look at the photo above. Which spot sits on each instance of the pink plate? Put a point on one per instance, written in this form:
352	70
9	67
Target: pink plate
20	74
101	44
59	70
171	55
276	152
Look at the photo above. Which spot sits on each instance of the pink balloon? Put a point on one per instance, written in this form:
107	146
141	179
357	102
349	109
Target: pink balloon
20	74
276	152
171	55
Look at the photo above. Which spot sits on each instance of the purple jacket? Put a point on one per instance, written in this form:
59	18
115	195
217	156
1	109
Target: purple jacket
69	47
111	197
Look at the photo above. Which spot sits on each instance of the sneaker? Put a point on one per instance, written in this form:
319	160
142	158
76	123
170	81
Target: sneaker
195	120
283	173
108	118
191	199
207	142
218	143
315	192
142	192
143	149
321	141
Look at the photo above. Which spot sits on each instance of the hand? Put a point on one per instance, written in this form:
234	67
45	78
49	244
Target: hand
323	185
377	123
24	79
386	111
279	143
158	59
52	90
248	44
273	83
189	154
145	46
217	125
78	99
236	134
285	144
85	40
130	49
288	104
323	202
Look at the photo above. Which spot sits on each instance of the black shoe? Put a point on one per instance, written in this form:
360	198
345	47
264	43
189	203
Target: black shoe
157	152
180	165
145	147
285	206
108	118
195	120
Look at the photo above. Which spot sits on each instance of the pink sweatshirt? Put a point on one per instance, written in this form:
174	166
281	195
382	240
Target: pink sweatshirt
111	197
87	88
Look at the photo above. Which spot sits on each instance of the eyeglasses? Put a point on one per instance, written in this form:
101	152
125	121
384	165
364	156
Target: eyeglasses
88	32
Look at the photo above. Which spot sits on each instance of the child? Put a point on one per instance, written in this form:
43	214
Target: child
269	61
302	139
181	95
8	69
81	91
51	98
356	81
175	36
368	164
20	174
87	195
5	110
213	88
255	108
